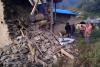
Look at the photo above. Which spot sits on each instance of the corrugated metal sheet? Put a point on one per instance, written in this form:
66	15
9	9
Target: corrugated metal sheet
61	11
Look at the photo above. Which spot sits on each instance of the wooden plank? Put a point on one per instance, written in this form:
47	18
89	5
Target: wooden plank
67	54
32	50
42	62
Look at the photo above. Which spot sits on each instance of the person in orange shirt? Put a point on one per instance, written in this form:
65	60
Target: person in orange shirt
87	32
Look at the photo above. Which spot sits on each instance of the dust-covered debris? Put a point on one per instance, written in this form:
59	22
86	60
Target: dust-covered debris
33	44
45	50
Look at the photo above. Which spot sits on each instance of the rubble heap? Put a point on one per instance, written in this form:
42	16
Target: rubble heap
38	47
46	44
33	44
15	55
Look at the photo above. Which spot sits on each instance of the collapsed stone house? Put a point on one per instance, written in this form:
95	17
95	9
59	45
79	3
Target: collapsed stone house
30	45
17	14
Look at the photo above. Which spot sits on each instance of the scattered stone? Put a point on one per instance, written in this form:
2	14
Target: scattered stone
23	50
1	52
39	17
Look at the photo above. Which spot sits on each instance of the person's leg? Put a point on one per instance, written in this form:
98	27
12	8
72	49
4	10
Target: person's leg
87	40
68	34
82	34
71	34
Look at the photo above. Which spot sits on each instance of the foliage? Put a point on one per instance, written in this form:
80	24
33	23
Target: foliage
90	5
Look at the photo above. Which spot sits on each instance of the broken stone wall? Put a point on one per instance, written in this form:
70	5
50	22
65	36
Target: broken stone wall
39	46
4	35
16	14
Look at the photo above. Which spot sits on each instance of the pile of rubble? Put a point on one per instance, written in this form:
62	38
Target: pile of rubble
33	44
15	55
46	44
39	46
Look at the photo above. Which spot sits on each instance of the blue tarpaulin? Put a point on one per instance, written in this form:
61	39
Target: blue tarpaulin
61	11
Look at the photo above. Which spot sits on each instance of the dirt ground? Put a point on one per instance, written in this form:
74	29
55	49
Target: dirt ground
4	35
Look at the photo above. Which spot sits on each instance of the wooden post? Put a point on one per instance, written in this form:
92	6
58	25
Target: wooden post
55	13
51	15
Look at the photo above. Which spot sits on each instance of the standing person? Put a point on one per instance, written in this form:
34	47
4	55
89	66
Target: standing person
87	33
72	32
68	29
82	28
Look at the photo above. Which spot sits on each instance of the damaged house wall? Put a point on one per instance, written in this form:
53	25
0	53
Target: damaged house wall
4	34
16	13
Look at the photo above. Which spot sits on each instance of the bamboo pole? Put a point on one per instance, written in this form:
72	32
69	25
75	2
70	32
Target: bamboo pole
31	2
34	8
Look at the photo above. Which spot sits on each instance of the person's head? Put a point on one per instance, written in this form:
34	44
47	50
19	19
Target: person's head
82	22
88	24
67	23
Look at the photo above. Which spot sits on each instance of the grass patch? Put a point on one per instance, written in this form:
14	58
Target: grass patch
89	55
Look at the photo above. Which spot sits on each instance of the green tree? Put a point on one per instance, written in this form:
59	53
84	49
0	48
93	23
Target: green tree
90	5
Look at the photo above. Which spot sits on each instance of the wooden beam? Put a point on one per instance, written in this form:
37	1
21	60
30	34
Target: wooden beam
67	54
51	15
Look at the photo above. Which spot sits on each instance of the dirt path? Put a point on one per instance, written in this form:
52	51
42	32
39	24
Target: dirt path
4	35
